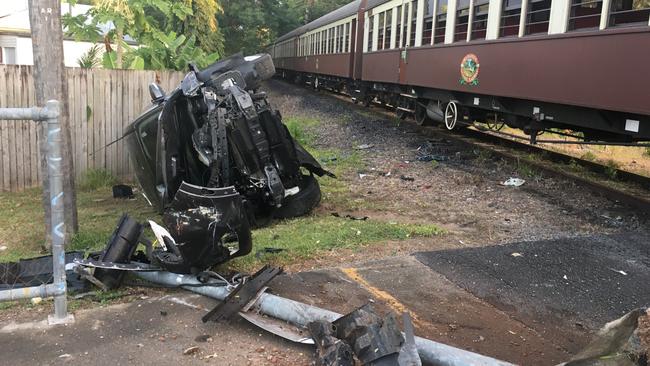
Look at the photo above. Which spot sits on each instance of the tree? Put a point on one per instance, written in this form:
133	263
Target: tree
250	25
170	34
50	83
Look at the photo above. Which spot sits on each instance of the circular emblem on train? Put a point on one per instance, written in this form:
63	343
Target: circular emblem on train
469	69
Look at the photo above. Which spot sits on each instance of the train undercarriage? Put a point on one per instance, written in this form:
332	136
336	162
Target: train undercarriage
453	110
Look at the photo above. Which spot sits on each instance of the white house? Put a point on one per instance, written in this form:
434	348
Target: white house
15	34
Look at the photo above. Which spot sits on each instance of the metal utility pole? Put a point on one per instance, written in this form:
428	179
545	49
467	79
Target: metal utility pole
50	83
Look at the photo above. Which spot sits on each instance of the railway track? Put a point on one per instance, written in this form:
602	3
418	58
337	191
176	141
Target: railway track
621	186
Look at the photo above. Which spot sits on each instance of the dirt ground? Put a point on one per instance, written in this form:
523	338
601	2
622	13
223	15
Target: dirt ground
461	190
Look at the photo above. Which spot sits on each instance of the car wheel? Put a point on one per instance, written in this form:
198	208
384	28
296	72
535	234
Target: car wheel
302	202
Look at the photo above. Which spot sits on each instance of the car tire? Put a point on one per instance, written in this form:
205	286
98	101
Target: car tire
302	202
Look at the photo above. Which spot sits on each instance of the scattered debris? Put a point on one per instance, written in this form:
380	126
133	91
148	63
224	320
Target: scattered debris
38	271
123	191
242	295
119	249
364	146
348	216
407	179
3	248
203	338
191	350
268	250
427	153
331	350
616	344
373	340
514	182
516	254
618	271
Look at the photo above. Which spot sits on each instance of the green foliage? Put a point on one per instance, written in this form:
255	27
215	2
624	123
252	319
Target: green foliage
250	25
647	151
172	51
162	29
94	179
90	59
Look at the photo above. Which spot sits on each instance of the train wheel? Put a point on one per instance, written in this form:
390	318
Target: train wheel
451	115
421	117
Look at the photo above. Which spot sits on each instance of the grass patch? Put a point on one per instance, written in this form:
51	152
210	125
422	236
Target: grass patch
22	230
309	237
300	129
647	151
526	170
94	179
589	156
611	168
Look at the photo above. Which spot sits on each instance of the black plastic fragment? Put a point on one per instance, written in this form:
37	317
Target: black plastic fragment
372	338
119	249
242	295
122	191
331	350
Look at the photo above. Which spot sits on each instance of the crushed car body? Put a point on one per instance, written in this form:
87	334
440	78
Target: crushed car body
215	158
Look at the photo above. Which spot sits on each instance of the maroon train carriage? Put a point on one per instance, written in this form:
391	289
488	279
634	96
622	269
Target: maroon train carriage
535	65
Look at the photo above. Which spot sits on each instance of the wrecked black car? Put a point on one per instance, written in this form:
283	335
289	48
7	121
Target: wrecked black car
214	156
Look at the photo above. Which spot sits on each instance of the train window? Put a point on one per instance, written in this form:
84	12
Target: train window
414	21
398	29
629	12
462	21
479	20
428	22
341	38
323	42
347	37
389	28
371	28
332	40
539	13
380	32
510	18
585	14
441	22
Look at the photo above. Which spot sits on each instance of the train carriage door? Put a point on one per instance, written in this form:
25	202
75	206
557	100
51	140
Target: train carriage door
351	47
405	38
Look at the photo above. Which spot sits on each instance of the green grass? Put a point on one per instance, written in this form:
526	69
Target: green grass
310	237
611	168
589	156
647	151
94	179
301	128
525	170
22	229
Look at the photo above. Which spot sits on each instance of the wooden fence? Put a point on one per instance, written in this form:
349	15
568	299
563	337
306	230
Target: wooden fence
102	103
